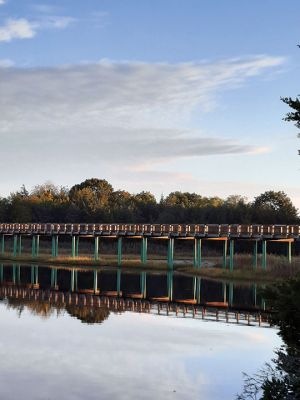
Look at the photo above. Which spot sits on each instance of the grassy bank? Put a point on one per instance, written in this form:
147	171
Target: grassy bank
277	267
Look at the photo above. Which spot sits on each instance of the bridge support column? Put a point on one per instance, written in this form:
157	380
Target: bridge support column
197	253
95	283
15	245
54	278
1	273
198	290
230	293
119	251
96	248
20	245
54	245
74	280
144	250
36	273
289	251
231	254
18	274
254	261
224	253
264	254
77	246
2	244
73	238
33	246
170	284
170	259
37	245
143	284
118	282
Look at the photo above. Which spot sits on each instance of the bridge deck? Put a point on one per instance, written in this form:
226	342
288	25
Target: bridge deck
181	231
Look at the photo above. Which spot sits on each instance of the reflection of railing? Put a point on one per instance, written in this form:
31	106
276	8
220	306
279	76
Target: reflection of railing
117	304
172	230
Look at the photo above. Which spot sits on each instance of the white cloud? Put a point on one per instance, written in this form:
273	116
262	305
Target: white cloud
2	2
6	63
16	29
128	116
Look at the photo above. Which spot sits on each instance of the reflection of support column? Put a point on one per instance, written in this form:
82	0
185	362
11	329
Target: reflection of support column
20	244
118	282
95	285
119	251
19	274
32	275
231	254
224	292
198	290
230	293
72	280
254	262
53	278
54	245
36	270
144	250
170	253
33	246
254	294
2	244
96	248
194	288
14	274
289	252
143	283
170	284
264	254
197	253
37	245
224	253
1	273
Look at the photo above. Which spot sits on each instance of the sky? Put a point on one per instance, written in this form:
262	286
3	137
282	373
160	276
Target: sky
149	94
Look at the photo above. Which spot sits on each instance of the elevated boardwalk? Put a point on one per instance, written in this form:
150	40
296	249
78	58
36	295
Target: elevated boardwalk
171	232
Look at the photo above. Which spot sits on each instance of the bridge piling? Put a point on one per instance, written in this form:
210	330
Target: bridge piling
224	253
231	254
170	258
96	248
119	251
264	254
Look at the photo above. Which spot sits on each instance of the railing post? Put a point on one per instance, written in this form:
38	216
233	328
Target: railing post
170	253
254	262
231	254
264	254
96	248
224	253
119	251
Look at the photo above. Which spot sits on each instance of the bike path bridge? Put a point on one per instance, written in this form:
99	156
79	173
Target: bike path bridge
198	233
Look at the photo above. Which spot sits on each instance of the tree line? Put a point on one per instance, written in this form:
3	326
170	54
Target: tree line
95	200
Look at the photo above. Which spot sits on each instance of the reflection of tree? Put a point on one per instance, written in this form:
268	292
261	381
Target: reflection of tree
41	308
88	314
281	380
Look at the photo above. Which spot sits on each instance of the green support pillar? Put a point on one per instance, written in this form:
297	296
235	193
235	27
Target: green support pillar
95	283
170	284
255	294
96	248
197	253
144	250
231	254
2	244
36	272
119	251
73	246
15	245
37	246
77	246
224	253
170	253
32	274
289	252
54	245
264	254
255	246
53	278
1	273
118	282
19	274
20	245
33	246
224	292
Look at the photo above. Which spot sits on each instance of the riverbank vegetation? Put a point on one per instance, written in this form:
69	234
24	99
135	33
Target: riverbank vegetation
95	200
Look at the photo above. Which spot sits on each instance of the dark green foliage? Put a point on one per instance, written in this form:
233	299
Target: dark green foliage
293	116
95	200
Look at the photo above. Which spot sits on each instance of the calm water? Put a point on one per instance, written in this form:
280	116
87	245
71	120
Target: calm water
58	346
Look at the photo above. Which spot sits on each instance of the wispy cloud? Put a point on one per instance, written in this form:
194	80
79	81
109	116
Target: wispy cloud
22	28
2	2
130	115
16	29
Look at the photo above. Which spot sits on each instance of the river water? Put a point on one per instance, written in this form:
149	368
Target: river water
68	334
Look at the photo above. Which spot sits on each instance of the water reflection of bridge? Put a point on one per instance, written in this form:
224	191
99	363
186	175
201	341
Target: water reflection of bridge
119	291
